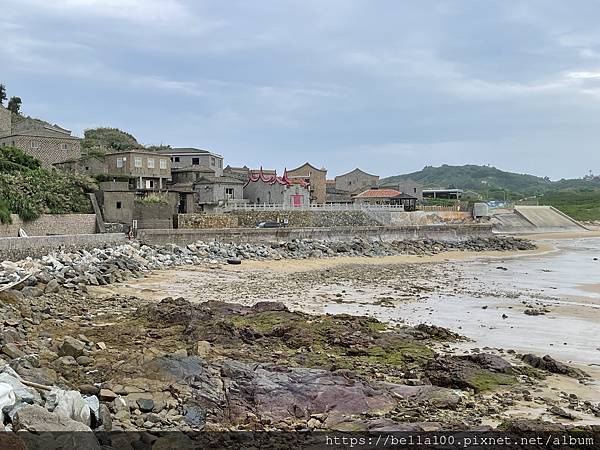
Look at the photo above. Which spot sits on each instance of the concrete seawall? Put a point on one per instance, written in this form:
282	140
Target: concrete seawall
256	235
36	246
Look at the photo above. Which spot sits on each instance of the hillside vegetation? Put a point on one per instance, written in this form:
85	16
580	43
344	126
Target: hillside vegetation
97	139
579	198
28	190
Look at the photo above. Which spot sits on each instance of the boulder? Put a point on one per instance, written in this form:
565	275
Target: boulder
106	395
32	291
52	287
12	351
38	419
22	392
551	365
69	404
71	347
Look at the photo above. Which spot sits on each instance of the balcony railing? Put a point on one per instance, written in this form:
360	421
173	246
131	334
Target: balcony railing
314	207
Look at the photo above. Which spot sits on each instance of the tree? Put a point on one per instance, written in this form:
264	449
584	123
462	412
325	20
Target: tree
14	104
2	94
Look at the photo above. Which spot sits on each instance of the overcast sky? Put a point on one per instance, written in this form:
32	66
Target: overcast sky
389	86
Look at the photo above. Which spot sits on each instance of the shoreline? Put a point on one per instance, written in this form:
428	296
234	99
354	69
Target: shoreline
300	265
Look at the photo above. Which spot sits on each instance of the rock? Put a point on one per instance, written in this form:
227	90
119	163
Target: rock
84	360
37	419
203	348
12	351
101	345
89	389
31	292
7	398
234	261
551	365
534	312
71	347
106	395
22	393
145	404
105	418
181	353
52	287
557	411
65	362
69	404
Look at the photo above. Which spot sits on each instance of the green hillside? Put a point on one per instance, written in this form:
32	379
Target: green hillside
580	198
477	178
28	190
108	138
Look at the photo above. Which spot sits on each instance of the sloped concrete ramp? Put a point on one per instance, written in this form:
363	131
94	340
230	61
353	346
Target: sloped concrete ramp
535	219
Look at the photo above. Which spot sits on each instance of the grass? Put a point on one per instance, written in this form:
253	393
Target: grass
582	204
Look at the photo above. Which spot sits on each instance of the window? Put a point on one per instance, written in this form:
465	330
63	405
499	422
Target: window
229	193
119	205
149	184
177	159
220	163
212	161
64	146
119	163
150	163
415	190
138	161
35	144
195	161
163	164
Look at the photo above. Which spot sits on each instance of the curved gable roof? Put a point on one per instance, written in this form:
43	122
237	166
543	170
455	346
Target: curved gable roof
359	171
307	164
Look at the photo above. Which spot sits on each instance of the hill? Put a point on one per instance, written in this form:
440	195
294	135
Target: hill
579	198
108	138
490	182
477	178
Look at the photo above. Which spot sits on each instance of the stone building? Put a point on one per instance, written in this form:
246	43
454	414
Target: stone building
117	202
148	171
316	178
270	189
212	191
355	181
376	196
87	164
409	187
48	143
194	157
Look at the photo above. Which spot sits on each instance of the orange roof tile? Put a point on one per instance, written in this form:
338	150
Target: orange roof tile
379	193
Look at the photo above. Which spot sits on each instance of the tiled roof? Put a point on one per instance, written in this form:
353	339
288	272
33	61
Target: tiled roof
379	193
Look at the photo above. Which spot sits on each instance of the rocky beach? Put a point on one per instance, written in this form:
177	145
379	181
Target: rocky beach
291	336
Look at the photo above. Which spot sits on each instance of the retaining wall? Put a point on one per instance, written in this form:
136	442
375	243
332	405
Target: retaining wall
296	219
262	235
51	224
204	220
14	249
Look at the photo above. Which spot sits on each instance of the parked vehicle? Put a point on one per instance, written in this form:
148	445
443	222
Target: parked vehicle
270	225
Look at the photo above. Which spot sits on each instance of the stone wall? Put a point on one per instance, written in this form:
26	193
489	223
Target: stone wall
153	215
51	224
305	218
14	249
203	221
262	235
5	121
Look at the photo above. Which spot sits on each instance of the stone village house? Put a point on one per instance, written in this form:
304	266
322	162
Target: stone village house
316	179
48	143
271	189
